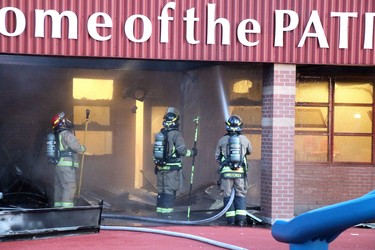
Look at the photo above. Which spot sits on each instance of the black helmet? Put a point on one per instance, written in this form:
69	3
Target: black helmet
234	124
171	118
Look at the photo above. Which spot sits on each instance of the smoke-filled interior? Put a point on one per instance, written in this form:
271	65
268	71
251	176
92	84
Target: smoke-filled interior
126	110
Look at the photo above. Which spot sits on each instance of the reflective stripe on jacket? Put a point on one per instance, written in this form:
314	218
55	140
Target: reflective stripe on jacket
221	157
228	172
177	148
68	142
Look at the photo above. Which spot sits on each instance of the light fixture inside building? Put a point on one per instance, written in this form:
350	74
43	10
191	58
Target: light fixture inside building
136	93
242	87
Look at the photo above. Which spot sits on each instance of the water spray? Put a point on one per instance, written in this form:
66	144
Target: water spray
83	154
223	99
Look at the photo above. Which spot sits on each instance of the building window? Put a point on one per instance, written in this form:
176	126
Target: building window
334	121
94	95
246	101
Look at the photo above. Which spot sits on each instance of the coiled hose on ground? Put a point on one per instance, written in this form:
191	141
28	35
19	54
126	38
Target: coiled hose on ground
177	222
169	233
175	234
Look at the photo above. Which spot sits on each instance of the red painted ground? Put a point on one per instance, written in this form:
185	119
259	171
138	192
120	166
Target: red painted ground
249	238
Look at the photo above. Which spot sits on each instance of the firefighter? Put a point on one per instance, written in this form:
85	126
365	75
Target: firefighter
230	153
168	166
67	163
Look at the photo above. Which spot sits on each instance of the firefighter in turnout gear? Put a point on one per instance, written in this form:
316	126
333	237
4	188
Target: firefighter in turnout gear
67	162
168	150
230	153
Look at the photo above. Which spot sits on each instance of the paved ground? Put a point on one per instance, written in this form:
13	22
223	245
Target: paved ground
256	237
248	238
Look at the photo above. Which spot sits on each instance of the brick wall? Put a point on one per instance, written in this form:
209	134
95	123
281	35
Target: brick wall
277	192
321	185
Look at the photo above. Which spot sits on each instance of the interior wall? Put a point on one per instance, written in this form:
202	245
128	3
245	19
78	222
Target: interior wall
31	95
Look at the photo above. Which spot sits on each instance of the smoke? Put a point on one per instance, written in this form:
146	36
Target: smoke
33	94
191	89
223	98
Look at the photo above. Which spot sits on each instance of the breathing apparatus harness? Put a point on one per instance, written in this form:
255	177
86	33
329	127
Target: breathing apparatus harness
233	154
162	148
53	148
233	158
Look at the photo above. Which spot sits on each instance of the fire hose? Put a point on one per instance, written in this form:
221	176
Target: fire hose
169	233
176	222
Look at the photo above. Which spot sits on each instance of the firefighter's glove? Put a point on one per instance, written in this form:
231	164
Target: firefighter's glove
156	169
194	151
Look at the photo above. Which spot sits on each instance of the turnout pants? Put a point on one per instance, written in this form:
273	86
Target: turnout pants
168	183
237	211
65	186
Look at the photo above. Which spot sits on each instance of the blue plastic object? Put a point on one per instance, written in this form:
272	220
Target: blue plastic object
317	228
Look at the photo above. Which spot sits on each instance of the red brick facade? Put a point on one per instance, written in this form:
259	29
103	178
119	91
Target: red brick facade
319	185
277	192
